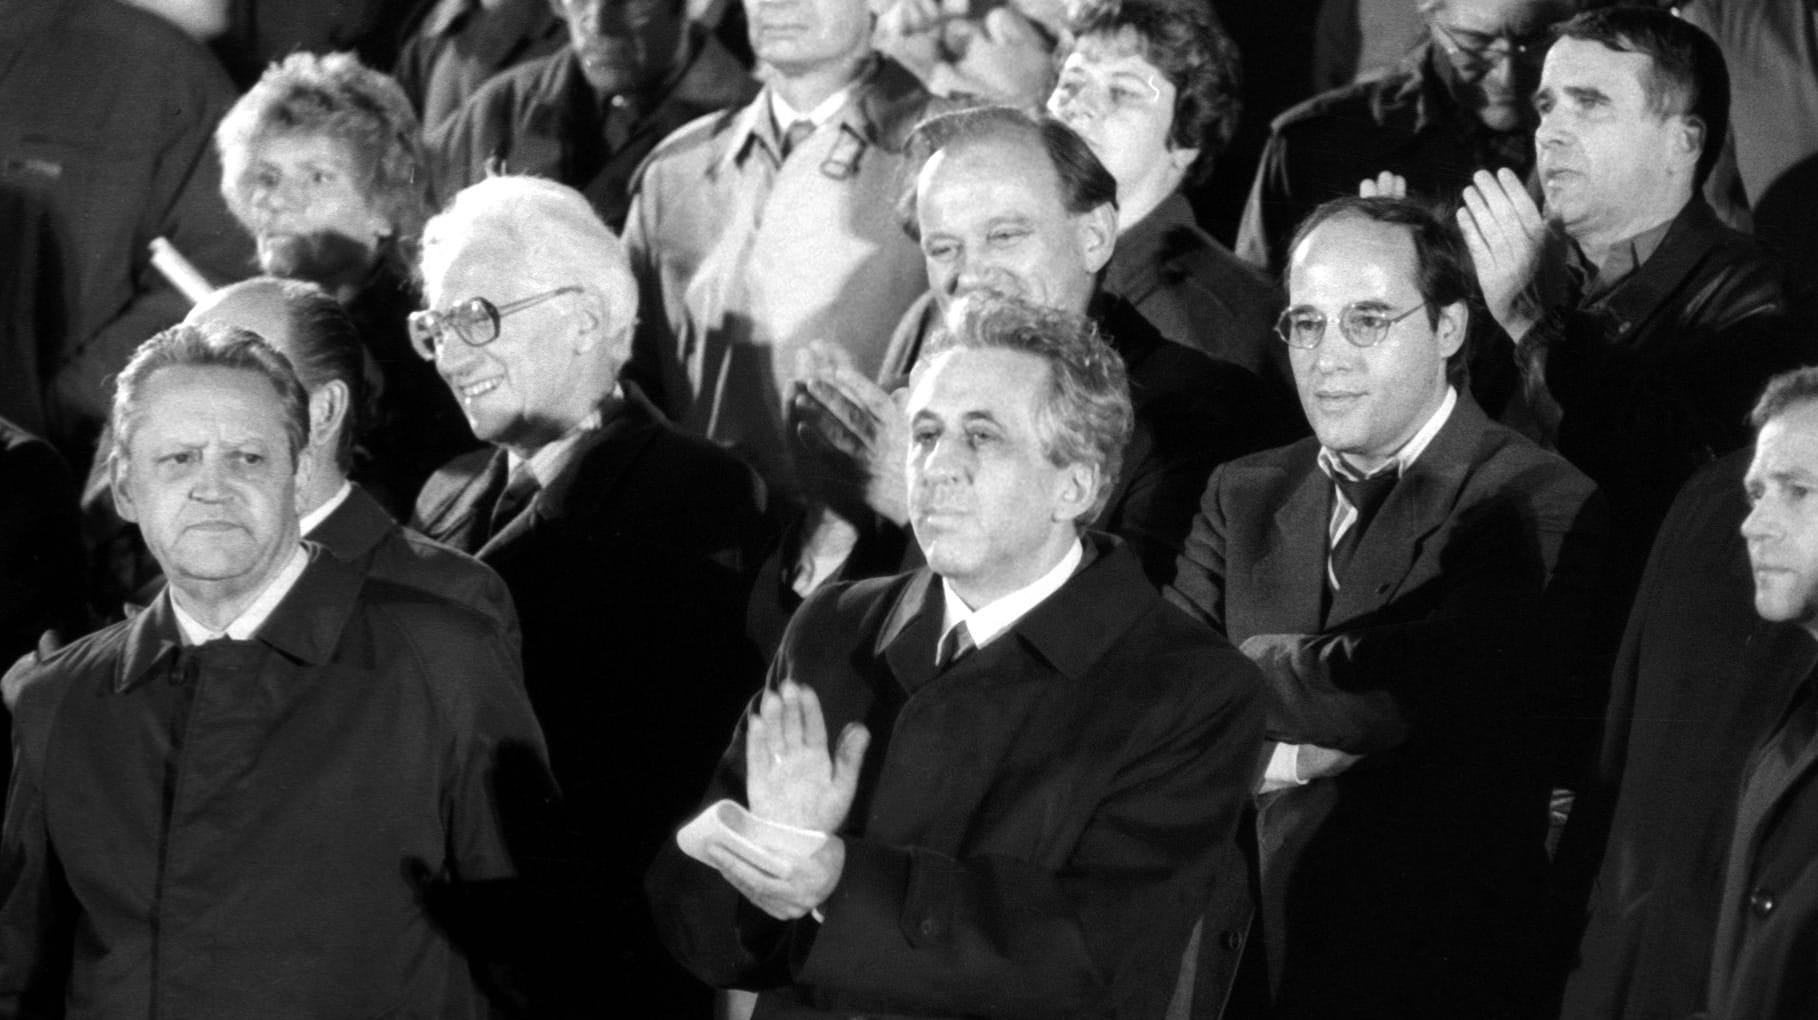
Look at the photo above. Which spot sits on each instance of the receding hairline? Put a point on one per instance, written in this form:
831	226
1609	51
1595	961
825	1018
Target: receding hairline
1030	142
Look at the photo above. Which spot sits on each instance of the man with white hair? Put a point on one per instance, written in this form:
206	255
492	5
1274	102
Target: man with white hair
621	539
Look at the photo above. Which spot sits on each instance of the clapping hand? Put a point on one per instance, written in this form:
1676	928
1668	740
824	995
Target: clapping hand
1507	236
854	431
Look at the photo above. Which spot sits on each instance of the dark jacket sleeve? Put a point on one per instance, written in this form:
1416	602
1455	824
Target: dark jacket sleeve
37	908
910	929
1509	605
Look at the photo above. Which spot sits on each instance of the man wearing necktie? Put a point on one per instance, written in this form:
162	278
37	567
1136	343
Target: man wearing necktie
1016	766
624	543
232	803
1411	581
1761	966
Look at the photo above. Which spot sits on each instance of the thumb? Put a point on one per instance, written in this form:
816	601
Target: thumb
850	754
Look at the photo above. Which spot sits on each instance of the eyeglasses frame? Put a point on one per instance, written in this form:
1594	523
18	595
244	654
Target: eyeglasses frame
1342	330
429	324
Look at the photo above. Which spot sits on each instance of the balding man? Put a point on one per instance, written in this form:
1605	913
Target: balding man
309	327
622	541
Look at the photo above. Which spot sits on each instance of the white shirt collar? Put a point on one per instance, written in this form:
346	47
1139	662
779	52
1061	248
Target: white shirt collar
315	517
249	621
549	459
786	115
988	621
1404	458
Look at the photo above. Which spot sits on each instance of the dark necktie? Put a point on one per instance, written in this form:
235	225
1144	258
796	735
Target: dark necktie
797	134
519	491
955	645
1366	496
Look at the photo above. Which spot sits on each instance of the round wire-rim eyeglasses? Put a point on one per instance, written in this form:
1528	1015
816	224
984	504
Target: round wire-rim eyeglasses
1364	325
475	320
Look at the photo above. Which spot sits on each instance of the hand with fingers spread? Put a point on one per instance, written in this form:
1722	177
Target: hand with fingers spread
1507	236
1384	185
855	432
790	776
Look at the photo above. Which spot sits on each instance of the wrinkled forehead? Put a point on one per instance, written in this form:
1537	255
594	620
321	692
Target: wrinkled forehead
194	404
1015	166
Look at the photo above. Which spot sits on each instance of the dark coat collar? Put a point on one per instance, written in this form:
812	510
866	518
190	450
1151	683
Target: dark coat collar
1689	240
1109	589
355	527
305	627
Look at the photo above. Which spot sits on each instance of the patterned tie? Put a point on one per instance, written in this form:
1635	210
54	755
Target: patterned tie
1366	496
955	645
797	134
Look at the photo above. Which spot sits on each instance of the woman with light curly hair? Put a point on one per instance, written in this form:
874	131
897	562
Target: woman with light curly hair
322	162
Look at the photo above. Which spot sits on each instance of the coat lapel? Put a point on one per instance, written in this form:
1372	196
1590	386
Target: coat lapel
1791	656
1292	567
455	519
1417	507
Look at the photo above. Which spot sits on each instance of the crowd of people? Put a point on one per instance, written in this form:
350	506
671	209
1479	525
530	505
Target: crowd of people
811	508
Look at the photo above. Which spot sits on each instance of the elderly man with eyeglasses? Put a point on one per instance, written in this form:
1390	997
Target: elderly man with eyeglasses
624	544
1459	102
1412	581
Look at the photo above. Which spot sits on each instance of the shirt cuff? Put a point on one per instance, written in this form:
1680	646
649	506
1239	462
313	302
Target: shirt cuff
1283	770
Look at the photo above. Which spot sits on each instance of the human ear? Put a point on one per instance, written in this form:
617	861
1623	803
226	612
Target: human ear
1096	232
1078	491
328	407
1454	323
120	483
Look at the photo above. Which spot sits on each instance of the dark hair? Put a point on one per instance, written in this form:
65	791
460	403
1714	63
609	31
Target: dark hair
1783	393
325	347
337	96
1085	183
1086	417
1186	42
208	345
1442	262
1686	72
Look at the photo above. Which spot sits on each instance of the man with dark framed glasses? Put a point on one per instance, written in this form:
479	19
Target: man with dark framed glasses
475	321
624	544
1458	102
1392	575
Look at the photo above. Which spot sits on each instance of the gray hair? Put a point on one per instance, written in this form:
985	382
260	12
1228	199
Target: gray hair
1086	416
551	228
208	345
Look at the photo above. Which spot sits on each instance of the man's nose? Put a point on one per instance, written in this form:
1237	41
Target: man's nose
209	483
1759	525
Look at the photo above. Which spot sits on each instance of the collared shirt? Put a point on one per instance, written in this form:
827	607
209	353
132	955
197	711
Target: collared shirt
551	457
1283	769
1333	464
315	517
1624	258
985	623
248	622
822	113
